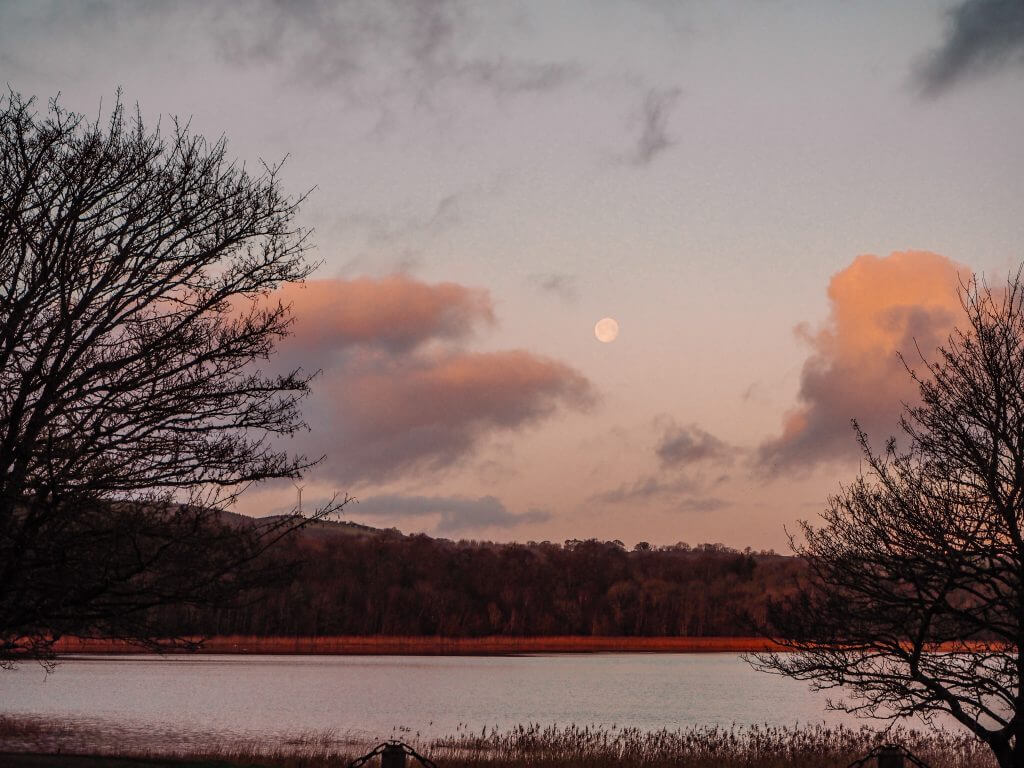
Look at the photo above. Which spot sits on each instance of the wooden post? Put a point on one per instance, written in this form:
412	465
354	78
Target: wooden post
890	757
393	756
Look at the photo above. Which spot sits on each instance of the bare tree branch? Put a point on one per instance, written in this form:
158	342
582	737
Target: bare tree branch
915	600
134	270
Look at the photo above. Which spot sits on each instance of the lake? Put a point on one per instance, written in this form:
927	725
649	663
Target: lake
370	698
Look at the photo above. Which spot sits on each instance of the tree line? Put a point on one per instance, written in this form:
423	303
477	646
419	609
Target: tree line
351	582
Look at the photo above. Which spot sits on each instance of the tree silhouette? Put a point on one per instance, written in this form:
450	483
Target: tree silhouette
915	603
134	270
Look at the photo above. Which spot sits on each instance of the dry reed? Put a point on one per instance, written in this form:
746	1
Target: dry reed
533	746
702	747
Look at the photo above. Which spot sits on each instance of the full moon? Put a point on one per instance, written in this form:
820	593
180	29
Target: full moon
606	329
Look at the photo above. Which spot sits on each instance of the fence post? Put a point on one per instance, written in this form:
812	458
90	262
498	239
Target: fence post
393	756
890	757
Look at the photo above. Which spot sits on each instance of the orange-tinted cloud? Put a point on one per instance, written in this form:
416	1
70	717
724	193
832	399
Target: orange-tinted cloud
396	311
399	392
879	307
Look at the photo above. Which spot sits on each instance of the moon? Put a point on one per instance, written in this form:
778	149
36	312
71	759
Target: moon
606	330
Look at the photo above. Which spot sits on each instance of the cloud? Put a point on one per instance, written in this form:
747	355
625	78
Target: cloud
982	36
409	412
507	77
457	513
680	494
645	489
557	283
879	307
374	53
703	504
400	394
393	226
420	45
654	138
395	312
680	446
689	468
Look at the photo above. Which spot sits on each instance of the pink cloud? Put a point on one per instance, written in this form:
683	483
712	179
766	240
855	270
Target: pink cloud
416	412
880	306
399	392
395	311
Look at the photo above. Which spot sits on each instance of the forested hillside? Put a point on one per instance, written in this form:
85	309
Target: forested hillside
352	580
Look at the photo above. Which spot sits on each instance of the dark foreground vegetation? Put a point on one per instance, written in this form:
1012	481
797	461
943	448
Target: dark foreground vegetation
924	549
136	267
530	745
357	581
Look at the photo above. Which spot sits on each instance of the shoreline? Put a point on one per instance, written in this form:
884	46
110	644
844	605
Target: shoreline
379	645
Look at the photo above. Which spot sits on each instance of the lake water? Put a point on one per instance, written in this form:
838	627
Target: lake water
370	698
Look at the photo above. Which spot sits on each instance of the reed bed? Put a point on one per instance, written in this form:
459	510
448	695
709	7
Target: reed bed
527	746
702	747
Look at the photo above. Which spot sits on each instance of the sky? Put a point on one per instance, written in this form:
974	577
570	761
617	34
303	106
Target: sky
771	197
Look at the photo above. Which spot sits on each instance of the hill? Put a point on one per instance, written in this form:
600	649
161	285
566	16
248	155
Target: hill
342	578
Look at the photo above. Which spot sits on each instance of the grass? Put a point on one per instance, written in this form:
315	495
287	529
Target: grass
529	746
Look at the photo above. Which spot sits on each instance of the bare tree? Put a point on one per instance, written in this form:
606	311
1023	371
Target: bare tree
134	273
915	601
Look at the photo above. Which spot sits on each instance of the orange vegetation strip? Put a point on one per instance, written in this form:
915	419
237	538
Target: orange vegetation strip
439	646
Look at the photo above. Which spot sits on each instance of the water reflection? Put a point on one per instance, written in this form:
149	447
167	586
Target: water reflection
369	698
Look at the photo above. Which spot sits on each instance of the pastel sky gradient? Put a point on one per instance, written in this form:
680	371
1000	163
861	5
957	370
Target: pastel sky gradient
771	197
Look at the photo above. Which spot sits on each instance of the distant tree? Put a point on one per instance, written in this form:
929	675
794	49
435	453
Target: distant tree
134	269
915	602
